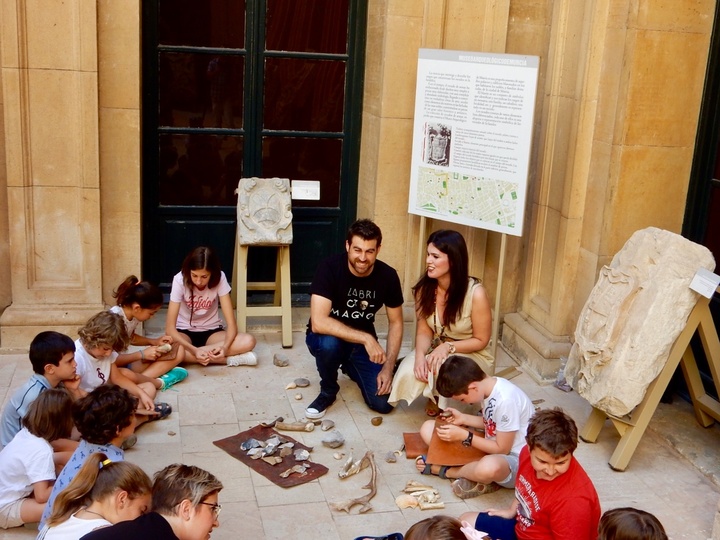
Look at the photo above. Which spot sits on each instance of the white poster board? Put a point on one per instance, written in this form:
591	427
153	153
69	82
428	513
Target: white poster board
472	138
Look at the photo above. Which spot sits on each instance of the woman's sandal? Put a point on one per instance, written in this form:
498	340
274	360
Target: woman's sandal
427	470
432	409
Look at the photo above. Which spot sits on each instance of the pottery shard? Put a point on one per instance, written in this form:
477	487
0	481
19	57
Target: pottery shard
634	314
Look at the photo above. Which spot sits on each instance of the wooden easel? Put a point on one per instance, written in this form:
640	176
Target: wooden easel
707	409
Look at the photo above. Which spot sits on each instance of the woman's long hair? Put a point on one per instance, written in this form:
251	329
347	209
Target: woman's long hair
453	245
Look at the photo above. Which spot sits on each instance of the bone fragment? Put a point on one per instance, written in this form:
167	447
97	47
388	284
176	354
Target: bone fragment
431	506
364	501
294	426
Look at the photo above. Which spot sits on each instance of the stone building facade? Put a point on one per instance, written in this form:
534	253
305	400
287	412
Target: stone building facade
619	95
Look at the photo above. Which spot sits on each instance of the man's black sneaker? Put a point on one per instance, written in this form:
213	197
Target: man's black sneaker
318	407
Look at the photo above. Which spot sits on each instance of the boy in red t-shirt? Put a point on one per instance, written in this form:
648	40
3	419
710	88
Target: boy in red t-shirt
554	497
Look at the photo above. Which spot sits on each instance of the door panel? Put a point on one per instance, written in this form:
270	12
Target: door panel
236	89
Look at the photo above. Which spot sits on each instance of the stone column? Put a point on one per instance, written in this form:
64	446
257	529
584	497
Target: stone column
619	119
50	85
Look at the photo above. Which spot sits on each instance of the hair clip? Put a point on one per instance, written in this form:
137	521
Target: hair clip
105	463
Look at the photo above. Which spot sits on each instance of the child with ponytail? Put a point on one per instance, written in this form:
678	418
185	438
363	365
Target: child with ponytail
138	301
103	493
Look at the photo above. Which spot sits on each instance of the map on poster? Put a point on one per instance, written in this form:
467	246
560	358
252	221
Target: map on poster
472	138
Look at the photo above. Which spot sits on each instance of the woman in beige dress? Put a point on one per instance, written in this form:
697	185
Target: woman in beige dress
453	316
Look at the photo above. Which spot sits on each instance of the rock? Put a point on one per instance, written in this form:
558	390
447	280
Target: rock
634	314
327	425
301	454
376	420
333	439
281	360
298	397
302	382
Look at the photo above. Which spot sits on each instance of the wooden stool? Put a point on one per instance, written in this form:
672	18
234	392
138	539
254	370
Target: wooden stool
632	426
280	287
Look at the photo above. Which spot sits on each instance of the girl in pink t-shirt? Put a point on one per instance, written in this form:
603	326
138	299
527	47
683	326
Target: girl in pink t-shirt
193	318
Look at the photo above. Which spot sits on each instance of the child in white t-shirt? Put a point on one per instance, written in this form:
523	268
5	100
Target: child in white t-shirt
27	471
96	351
193	318
137	302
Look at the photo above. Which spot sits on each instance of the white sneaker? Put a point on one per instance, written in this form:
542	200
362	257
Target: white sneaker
244	359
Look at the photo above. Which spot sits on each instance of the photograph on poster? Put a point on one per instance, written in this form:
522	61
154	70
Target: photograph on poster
472	138
437	144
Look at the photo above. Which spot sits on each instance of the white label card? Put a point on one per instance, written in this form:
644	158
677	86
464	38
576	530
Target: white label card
705	282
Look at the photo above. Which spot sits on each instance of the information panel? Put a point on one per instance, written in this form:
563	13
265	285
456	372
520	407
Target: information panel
472	136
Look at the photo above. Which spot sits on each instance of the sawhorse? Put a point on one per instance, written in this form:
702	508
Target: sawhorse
707	409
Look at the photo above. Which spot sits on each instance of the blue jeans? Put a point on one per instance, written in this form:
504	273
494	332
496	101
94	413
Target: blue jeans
332	353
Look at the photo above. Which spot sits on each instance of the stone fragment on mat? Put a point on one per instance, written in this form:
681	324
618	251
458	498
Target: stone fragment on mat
333	439
297	469
301	454
272	460
281	360
250	444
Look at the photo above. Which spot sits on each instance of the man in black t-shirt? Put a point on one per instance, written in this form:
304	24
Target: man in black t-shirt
347	291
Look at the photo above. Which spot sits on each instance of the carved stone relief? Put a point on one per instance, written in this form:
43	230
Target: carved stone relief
634	314
264	211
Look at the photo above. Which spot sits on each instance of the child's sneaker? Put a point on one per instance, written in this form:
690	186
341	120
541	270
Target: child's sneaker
172	377
244	359
129	442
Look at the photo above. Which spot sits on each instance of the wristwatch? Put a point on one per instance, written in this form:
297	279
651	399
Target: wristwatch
468	440
451	347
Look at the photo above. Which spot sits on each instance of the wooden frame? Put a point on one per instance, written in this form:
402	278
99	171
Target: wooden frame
707	409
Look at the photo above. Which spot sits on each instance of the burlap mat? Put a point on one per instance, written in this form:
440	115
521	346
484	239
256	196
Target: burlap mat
231	445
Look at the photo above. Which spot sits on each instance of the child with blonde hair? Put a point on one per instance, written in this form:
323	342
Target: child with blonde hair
96	350
27	470
103	493
137	302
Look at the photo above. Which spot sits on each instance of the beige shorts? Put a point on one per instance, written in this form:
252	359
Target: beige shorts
10	515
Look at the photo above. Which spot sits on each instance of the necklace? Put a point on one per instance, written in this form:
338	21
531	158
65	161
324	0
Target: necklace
91	512
439	334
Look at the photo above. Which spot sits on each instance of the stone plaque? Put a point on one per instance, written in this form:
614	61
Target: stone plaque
264	211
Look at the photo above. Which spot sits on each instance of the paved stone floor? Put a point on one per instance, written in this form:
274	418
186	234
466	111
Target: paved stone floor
216	402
